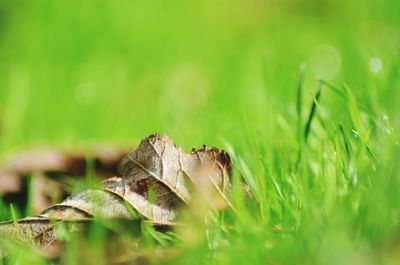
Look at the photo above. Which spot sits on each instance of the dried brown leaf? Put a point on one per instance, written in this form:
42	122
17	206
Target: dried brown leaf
155	179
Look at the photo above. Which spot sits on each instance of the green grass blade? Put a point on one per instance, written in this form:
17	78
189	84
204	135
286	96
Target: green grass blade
307	128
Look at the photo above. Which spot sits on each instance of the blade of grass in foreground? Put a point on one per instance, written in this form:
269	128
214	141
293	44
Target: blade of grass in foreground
304	136
13	215
299	101
328	126
355	114
345	141
307	128
299	110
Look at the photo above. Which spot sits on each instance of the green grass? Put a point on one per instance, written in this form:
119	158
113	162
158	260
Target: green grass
317	145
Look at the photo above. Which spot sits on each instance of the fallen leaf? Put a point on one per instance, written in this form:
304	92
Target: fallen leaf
155	179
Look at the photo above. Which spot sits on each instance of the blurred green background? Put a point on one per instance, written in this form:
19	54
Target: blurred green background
73	71
225	73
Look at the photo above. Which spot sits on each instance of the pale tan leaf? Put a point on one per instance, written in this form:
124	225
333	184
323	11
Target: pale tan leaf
89	203
155	180
157	157
149	197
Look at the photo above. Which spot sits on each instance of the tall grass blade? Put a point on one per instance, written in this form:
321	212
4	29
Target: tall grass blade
299	101
312	112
